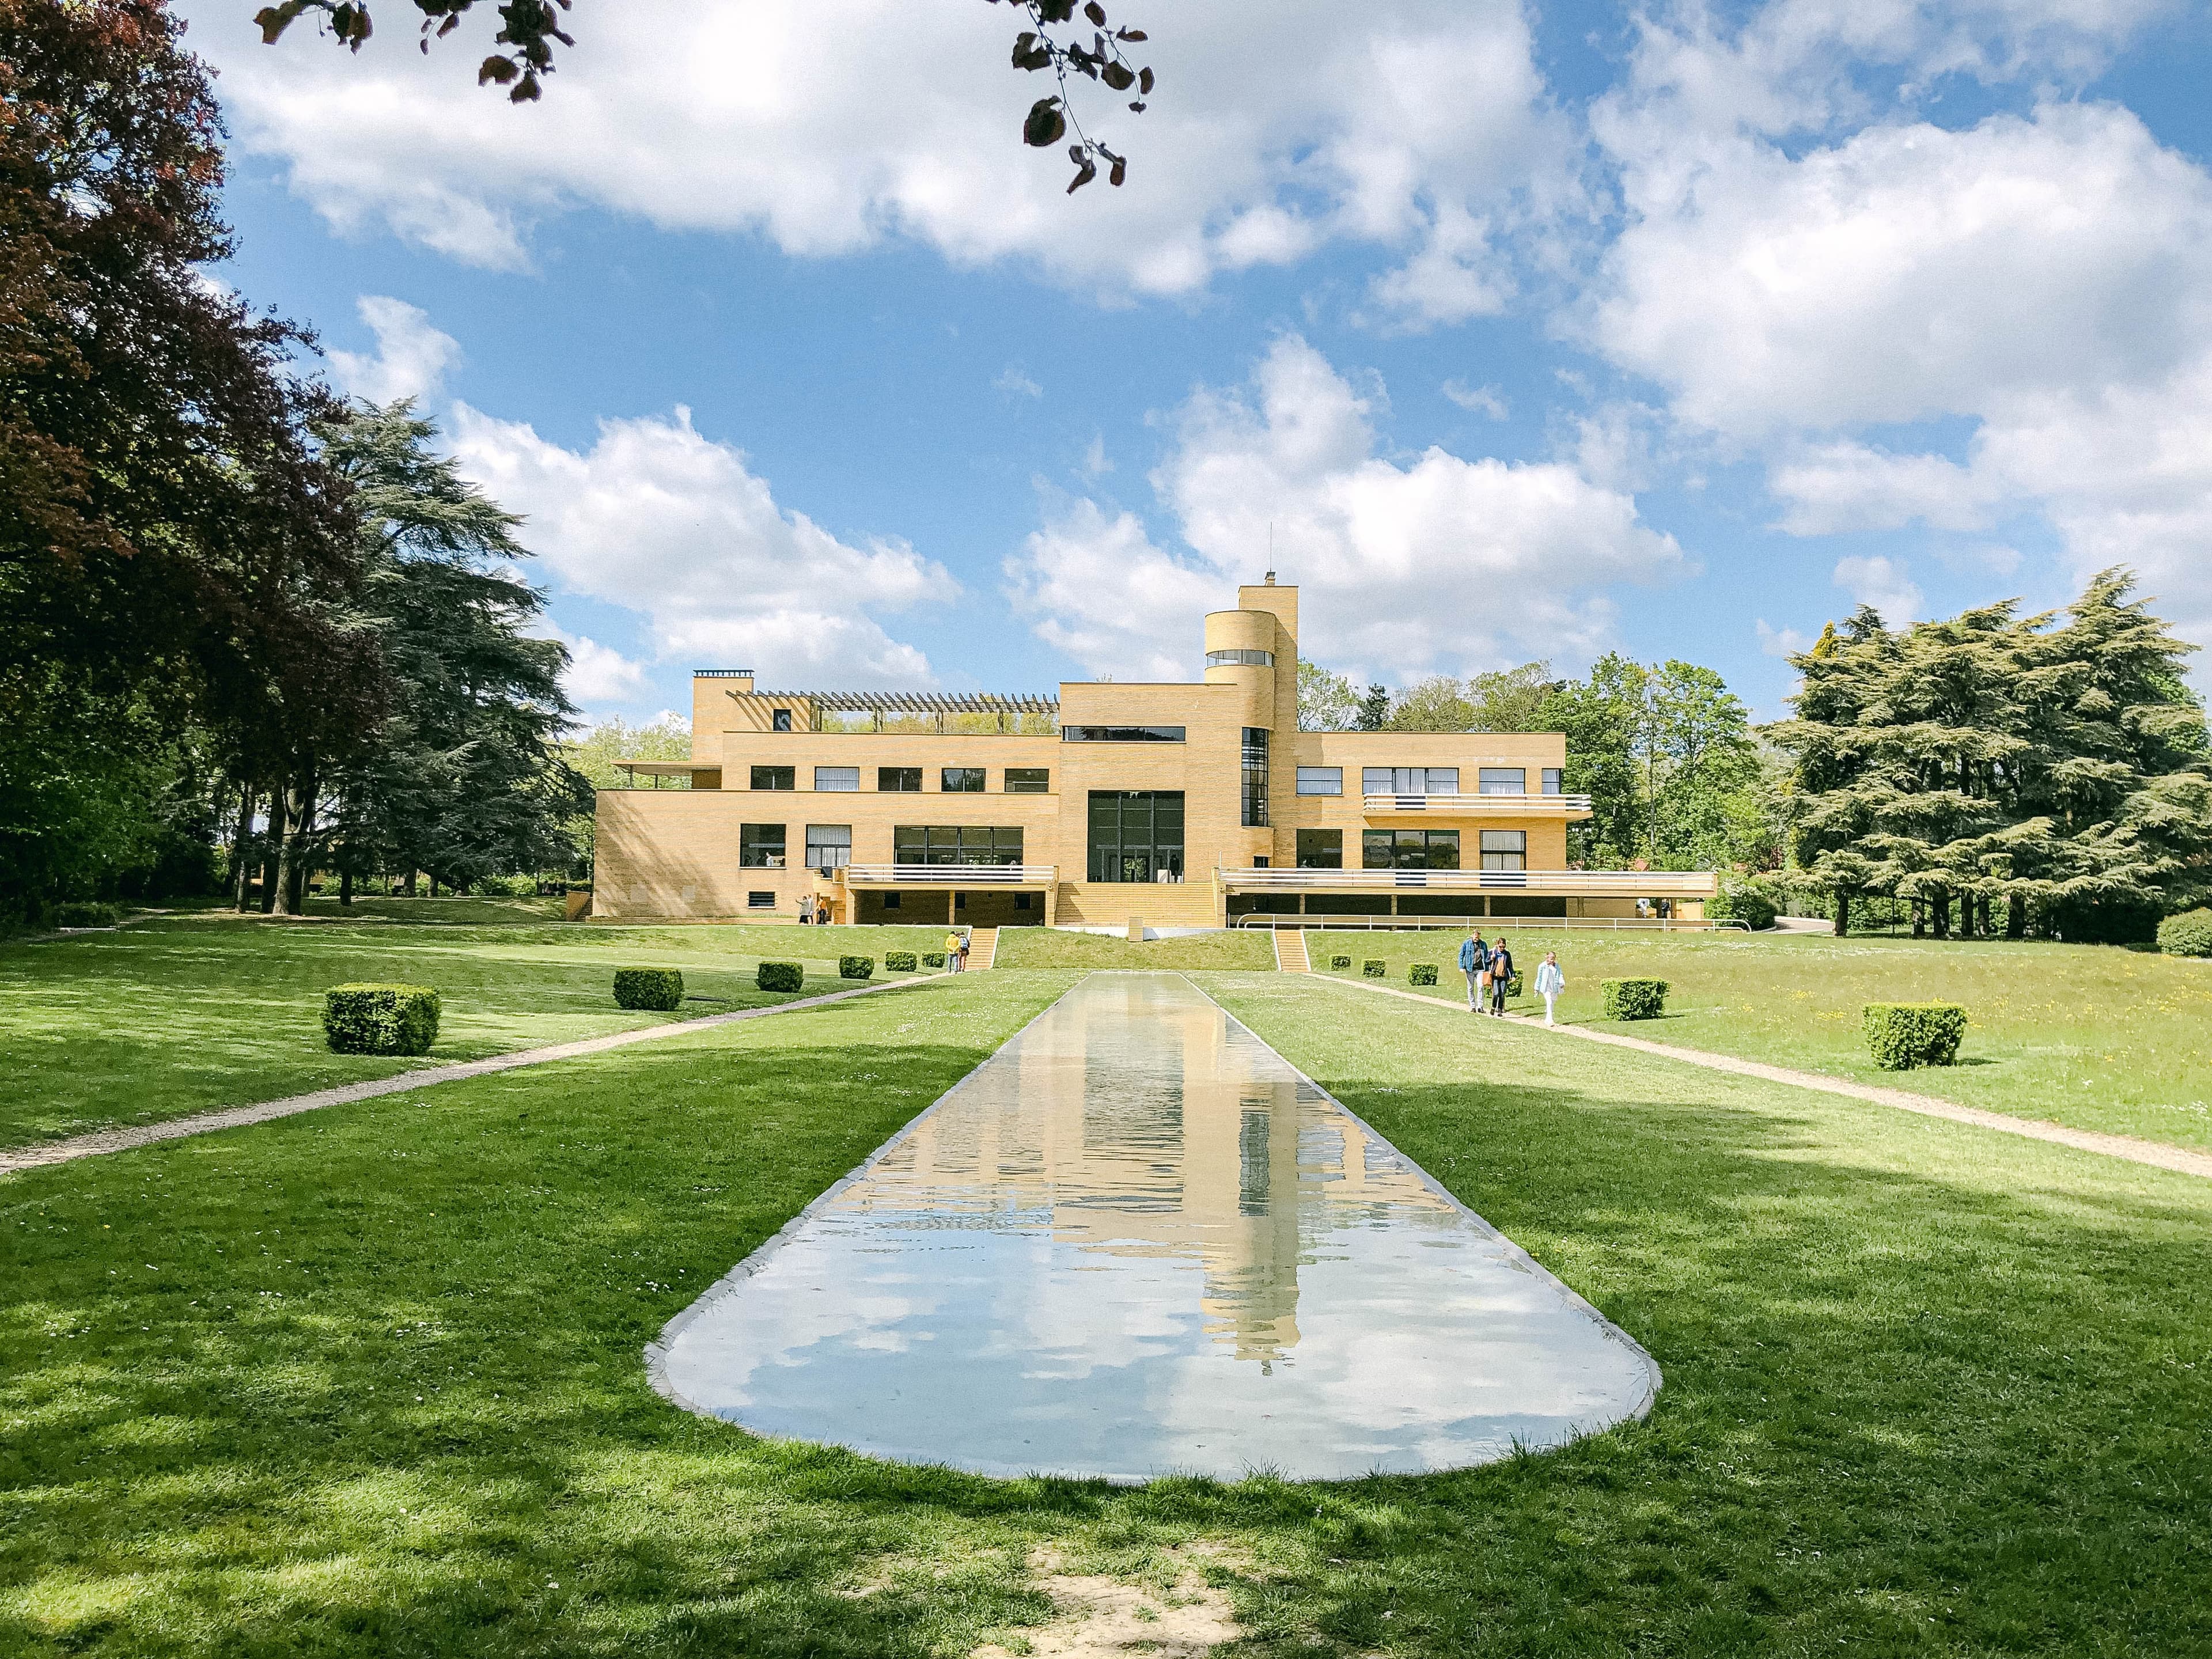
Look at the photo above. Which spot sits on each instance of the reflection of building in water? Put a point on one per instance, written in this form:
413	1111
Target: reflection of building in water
1172	1148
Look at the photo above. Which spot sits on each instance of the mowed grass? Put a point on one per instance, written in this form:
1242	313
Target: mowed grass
180	1014
370	1381
2091	1036
1045	947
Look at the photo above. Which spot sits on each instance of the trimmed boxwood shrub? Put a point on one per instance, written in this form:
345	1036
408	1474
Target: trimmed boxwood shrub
83	913
856	967
1902	1035
930	958
381	1019
779	976
1634	998
649	988
1421	972
898	961
1339	961
1374	968
2189	934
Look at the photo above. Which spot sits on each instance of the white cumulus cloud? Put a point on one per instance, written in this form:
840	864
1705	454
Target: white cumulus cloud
411	358
1882	583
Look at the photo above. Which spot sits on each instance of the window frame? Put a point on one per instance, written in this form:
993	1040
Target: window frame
1327	853
1410	779
788	774
1124	733
884	772
778	719
1509	857
852	789
1033	780
1554	780
973	779
1409	849
810	844
1484	773
1318	774
753	851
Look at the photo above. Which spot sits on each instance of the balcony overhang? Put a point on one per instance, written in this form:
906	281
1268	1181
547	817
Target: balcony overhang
1476	806
1551	883
948	875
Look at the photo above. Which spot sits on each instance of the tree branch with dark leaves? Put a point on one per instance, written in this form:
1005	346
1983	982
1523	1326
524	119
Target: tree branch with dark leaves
528	29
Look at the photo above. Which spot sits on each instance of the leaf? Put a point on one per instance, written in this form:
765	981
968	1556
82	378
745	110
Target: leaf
495	68
1117	76
1121	172
1129	34
1136	108
1055	11
1145	81
274	20
1095	12
1030	52
1046	126
1089	171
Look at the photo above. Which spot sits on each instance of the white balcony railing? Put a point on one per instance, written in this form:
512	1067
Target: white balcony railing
948	875
1477	806
1609	883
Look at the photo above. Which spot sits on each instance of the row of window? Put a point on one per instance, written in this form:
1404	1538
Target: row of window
906	780
1412	850
1422	780
830	845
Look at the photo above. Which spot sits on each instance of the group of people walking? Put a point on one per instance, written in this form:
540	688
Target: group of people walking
1489	971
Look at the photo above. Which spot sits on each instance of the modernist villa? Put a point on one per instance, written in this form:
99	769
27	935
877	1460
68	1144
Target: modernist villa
1184	805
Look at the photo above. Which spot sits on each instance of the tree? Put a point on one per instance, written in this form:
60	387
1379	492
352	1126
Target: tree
1603	719
1510	699
1435	704
1702	768
529	29
1327	702
1373	709
593	756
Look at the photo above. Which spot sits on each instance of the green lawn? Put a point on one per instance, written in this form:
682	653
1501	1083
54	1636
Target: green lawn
180	1014
370	1381
2091	1036
1043	947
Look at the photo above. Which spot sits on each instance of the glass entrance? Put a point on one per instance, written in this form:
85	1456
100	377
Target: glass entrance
1136	835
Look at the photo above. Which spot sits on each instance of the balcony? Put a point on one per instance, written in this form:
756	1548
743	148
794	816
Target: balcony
1477	806
948	875
1588	884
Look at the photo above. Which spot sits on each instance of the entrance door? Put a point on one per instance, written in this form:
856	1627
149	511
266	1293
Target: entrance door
1136	835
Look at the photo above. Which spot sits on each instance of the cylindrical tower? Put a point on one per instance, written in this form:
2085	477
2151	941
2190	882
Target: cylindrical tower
1242	649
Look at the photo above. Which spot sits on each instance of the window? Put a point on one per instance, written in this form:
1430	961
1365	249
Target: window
781	720
962	843
1409	849
1121	734
1022	901
962	780
1320	779
1028	780
1321	849
760	901
1410	781
759	846
774	777
1240	659
1553	779
891	901
899	780
1504	780
836	780
1253	752
1505	849
829	847
1261	863
1136	835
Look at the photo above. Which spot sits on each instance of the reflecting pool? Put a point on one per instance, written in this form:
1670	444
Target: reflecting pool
1136	1242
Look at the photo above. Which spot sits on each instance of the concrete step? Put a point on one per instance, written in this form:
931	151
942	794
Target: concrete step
1290	950
1111	903
982	947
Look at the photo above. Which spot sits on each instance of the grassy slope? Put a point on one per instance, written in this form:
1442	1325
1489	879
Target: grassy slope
175	1016
2098	1037
1043	947
1929	1390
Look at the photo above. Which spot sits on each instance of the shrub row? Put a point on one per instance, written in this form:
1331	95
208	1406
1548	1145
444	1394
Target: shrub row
1902	1035
898	961
2189	934
381	1019
84	913
1421	972
779	976
1374	968
1634	998
1339	961
660	989
932	959
856	967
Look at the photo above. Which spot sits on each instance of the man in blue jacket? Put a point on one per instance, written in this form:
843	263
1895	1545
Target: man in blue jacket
1473	960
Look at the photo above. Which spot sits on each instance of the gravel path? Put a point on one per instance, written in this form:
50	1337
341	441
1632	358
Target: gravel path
2156	1154
231	1117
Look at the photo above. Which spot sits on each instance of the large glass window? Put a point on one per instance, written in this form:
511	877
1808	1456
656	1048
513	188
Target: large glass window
759	846
829	847
1136	835
962	843
1504	780
1505	849
961	781
1409	849
1553	779
899	780
1320	779
1240	659
1321	849
1255	757
774	777
1029	781
781	720
1121	734
834	780
1410	781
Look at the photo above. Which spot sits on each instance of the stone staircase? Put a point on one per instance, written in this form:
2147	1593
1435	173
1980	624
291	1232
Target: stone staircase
983	948
1290	951
1111	903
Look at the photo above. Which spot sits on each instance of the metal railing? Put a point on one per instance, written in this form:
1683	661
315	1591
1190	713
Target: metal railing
1609	883
1517	805
1489	924
948	875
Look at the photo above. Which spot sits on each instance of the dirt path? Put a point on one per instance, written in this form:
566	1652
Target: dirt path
2156	1154
231	1117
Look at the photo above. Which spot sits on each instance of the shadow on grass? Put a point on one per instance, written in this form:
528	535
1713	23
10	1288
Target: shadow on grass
372	1383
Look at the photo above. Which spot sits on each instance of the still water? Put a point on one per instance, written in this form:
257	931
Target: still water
1133	1241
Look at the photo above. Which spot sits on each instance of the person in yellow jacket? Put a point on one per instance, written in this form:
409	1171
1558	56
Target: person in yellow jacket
952	961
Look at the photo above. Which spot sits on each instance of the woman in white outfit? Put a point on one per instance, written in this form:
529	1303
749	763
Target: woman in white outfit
1550	981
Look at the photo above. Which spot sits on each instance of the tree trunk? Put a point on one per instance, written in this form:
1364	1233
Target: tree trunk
1966	915
345	889
1919	919
2015	917
1843	912
242	848
292	878
411	875
1982	906
1942	902
273	842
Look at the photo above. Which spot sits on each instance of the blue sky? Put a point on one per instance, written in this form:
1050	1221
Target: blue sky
1522	332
